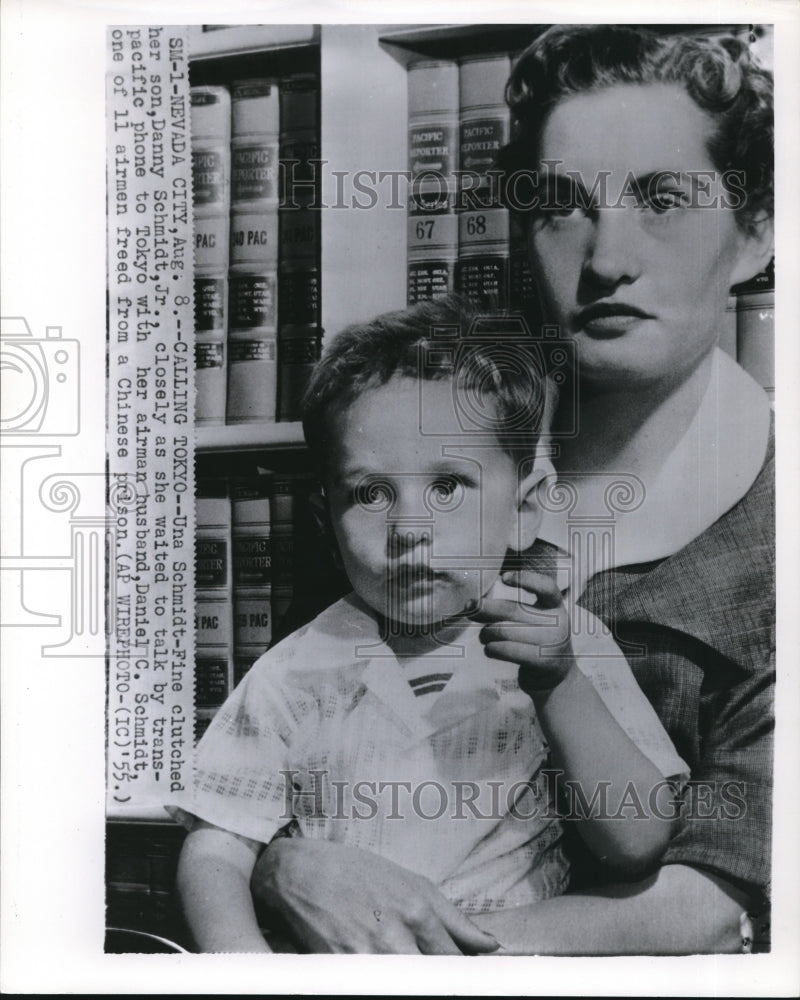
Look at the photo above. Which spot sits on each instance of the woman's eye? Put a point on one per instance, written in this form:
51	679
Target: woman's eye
666	201
560	210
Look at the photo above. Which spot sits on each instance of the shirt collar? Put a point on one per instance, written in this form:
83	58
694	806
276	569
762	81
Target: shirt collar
709	470
477	683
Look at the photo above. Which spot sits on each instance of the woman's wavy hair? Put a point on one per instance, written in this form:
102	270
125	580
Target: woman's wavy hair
719	74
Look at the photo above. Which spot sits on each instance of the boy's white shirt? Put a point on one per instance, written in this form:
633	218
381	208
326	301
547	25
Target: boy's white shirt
392	736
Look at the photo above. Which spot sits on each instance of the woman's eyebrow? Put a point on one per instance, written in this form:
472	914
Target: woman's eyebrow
562	185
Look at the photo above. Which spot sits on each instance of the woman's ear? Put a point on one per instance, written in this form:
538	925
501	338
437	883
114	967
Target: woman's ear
757	248
529	507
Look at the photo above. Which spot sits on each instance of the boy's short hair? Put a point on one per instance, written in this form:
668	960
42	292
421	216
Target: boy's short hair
443	339
719	74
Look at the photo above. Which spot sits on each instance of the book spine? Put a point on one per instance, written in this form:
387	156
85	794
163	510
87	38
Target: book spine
433	162
254	172
211	321
755	327
299	349
282	544
253	275
755	337
202	720
211	243
299	300
728	333
522	288
289	497
211	124
483	269
252	572
213	595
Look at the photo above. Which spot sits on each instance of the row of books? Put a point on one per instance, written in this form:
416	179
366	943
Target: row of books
257	247
461	239
245	566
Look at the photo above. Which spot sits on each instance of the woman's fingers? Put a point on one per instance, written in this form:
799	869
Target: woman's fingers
544	638
342	899
538	600
512	652
464	936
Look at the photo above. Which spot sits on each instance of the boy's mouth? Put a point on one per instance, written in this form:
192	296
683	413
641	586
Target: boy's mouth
414	573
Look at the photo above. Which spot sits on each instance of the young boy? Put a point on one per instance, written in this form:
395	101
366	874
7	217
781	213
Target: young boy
395	721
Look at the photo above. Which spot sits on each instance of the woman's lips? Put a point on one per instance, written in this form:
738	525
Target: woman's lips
608	320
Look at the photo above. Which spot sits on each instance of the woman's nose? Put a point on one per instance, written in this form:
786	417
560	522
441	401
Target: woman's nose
613	253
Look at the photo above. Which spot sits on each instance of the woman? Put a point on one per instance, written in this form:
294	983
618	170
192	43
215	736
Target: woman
651	162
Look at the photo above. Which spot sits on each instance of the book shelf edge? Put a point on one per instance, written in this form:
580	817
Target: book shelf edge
244	437
245	39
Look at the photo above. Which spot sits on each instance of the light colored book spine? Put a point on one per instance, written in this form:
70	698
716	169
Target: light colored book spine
211	127
728	333
252	572
433	162
253	276
755	337
482	273
299	301
213	593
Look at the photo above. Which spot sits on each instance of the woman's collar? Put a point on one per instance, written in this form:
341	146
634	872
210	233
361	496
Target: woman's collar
710	469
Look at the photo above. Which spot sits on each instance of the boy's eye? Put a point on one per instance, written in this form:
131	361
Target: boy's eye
374	495
445	493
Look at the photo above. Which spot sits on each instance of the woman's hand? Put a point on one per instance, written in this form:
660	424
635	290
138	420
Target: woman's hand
535	635
341	899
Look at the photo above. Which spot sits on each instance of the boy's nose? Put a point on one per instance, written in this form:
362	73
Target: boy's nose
408	534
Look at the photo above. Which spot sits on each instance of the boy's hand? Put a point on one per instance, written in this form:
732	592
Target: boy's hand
533	634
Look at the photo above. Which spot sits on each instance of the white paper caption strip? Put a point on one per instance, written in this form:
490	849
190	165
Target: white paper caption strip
150	443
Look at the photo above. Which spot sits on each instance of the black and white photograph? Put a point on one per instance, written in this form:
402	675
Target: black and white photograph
396	418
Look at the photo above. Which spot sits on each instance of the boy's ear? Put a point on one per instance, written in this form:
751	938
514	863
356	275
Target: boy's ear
528	504
757	248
